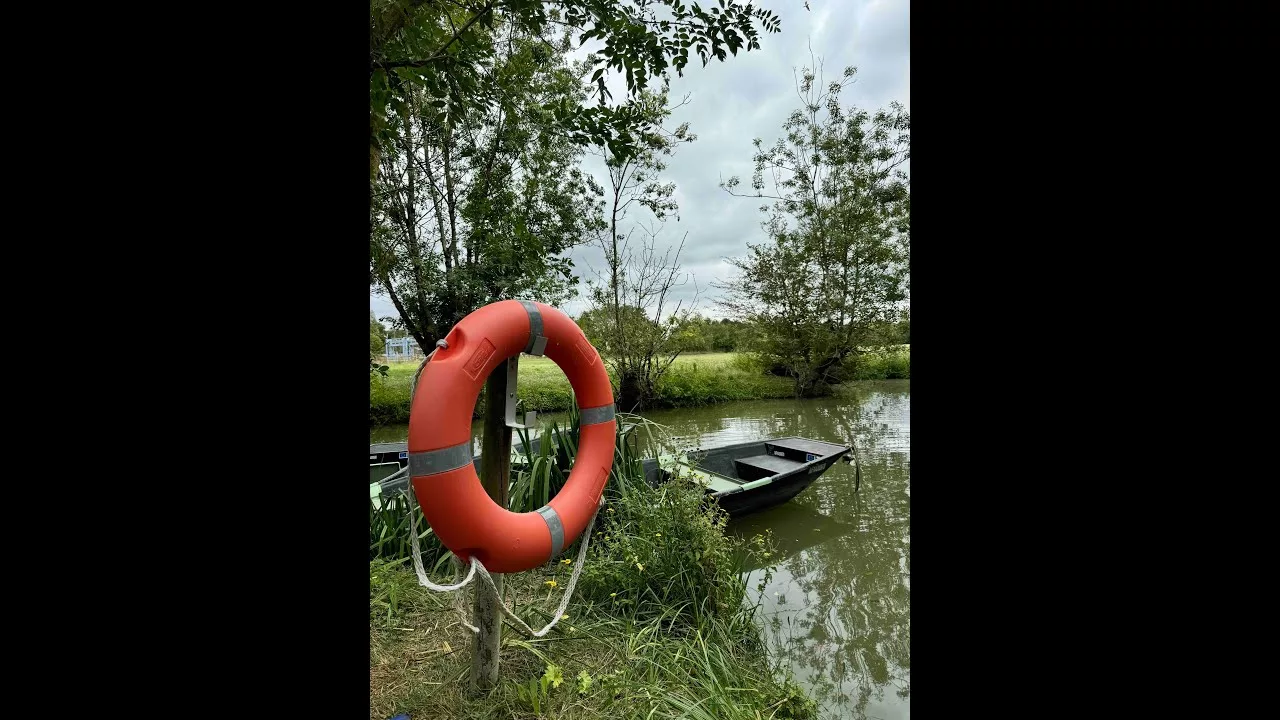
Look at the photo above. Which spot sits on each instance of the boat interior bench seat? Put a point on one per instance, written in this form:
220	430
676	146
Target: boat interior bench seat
758	467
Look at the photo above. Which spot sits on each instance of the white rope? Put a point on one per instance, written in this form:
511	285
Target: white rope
484	572
417	555
421	571
425	581
568	591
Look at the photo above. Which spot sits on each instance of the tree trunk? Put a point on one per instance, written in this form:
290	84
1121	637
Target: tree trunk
630	392
437	204
413	243
619	340
820	372
448	188
421	334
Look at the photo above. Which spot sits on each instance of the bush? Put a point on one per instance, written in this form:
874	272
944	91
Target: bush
887	364
662	548
892	363
749	363
706	379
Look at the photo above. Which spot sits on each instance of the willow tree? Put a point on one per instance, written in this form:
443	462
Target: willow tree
836	266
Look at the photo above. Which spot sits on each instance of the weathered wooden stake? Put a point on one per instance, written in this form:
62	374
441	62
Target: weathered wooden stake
495	469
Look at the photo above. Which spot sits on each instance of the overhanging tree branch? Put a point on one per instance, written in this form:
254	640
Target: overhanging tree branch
439	54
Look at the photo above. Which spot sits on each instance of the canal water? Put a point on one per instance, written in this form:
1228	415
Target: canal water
837	608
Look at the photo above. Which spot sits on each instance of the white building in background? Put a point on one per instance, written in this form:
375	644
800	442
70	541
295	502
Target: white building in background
405	347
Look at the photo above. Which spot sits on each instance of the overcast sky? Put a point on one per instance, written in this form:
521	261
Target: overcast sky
746	97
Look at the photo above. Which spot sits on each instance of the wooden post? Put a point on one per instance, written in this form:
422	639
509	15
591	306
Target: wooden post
495	469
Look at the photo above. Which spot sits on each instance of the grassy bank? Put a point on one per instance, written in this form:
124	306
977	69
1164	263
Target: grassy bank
604	660
695	379
661	625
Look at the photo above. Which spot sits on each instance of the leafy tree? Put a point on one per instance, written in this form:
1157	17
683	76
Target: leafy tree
836	267
700	334
598	325
442	50
473	125
730	335
691	336
471	213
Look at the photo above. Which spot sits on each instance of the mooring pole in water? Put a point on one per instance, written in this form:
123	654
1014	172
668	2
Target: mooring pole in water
495	469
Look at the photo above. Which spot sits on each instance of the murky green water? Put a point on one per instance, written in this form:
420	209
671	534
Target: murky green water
838	608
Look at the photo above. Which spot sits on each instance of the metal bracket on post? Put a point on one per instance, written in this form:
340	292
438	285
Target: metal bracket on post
537	346
531	417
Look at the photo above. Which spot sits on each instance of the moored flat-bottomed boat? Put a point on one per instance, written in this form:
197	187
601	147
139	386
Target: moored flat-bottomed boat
752	476
743	478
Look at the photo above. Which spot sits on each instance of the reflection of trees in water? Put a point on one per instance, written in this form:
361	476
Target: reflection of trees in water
861	414
730	423
794	527
853	636
848	634
858	613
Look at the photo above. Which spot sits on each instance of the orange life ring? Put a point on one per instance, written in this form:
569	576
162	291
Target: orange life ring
453	501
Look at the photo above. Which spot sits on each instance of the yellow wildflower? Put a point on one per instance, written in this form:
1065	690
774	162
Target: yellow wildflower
566	561
550	583
613	594
641	567
657	534
564	617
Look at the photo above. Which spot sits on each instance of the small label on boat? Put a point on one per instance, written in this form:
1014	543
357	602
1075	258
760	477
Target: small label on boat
815	469
373	457
779	453
404	454
810	457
